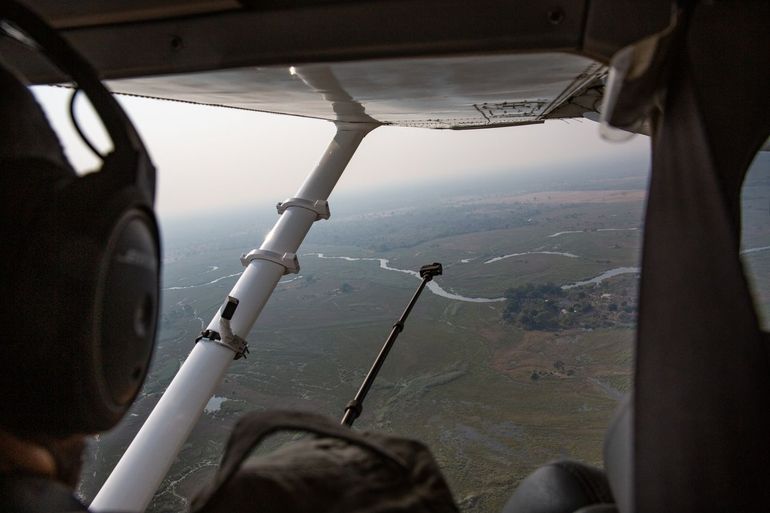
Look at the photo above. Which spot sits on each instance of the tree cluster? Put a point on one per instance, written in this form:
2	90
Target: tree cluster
548	307
534	307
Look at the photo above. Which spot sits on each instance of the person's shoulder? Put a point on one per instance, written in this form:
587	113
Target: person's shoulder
27	494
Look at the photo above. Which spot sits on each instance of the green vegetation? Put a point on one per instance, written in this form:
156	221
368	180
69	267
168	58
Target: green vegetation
534	307
548	307
399	230
491	399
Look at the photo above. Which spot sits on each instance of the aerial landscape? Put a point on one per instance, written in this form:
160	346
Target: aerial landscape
517	355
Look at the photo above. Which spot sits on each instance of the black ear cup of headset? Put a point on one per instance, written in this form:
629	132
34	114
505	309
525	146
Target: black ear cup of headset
80	308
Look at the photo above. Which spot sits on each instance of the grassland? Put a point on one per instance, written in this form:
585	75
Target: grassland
493	401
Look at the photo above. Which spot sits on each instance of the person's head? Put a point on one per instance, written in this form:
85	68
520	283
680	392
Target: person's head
31	162
79	273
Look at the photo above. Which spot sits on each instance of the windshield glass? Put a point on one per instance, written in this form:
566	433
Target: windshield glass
755	241
517	355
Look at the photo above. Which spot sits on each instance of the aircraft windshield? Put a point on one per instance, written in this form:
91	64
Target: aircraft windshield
517	355
755	242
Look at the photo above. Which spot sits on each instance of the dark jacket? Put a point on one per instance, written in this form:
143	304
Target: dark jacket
28	494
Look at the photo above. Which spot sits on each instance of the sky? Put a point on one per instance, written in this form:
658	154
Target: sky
213	159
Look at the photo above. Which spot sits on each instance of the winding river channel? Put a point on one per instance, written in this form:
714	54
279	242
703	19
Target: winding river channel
606	274
559	253
436	289
432	285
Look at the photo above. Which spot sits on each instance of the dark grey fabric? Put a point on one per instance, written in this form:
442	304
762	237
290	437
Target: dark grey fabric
560	487
599	508
339	471
701	417
28	494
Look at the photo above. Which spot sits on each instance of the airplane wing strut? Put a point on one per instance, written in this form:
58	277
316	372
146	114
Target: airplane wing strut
145	463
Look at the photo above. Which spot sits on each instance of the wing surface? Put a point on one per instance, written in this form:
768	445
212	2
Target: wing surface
431	63
438	92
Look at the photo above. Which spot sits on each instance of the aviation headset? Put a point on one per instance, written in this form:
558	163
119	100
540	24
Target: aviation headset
80	307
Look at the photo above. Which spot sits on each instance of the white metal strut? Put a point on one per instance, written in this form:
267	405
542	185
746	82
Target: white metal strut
145	463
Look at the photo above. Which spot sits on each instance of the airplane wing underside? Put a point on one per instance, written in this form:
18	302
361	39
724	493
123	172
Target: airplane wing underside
439	92
433	63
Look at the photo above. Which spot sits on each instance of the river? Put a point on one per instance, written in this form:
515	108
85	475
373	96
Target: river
606	274
559	234
559	253
432	285
754	250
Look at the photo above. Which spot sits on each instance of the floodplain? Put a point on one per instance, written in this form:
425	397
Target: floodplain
494	389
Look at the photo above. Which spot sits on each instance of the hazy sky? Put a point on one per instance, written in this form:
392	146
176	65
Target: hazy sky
215	158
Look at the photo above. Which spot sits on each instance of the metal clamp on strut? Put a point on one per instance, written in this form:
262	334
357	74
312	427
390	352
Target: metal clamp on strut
289	261
238	345
320	207
228	339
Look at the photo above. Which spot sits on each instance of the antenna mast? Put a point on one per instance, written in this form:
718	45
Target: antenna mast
355	407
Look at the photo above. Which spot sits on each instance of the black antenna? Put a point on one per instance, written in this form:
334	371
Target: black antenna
355	407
